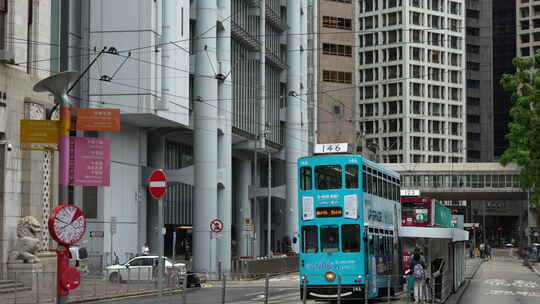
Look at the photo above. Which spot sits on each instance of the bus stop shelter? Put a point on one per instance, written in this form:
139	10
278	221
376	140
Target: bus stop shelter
444	251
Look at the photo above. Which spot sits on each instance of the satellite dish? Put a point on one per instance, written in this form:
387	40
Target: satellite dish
57	84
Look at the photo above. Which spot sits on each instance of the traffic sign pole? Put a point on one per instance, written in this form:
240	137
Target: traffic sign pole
160	246
157	185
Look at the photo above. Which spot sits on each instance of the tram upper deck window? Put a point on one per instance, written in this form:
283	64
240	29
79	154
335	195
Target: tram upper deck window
329	239
351	176
328	177
350	236
309	239
305	178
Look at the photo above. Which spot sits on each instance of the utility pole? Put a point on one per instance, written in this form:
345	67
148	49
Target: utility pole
484	221
269	223
59	85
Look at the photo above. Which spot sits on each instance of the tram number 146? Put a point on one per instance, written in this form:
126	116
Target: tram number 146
331	148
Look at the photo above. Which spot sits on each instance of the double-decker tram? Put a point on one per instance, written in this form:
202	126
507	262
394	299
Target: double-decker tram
349	218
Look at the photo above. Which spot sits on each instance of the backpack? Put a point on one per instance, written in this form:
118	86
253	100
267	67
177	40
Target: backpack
418	271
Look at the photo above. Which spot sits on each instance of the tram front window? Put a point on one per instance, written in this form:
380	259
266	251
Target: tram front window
328	177
329	239
350	235
309	239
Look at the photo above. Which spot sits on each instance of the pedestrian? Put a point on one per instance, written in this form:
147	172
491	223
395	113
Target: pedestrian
186	246
418	266
145	250
482	250
488	251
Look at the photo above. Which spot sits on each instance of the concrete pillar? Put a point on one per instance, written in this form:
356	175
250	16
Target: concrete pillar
169	18
262	74
224	140
304	80
244	208
205	138
294	134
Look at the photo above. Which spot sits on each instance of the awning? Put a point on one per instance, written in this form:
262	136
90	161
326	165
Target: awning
453	234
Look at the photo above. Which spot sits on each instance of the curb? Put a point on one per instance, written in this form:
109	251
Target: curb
534	270
456	299
127	296
476	270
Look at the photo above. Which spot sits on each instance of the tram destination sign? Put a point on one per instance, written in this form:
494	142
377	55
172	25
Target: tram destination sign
332	148
329	212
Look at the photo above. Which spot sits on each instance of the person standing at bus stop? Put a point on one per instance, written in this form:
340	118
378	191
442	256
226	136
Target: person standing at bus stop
418	266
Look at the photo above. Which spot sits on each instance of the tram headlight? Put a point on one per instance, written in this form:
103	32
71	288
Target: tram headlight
330	276
359	276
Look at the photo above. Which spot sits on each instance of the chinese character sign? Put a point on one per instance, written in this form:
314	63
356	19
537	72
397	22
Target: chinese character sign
98	119
92	161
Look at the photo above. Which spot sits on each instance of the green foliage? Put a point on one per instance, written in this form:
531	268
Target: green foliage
524	130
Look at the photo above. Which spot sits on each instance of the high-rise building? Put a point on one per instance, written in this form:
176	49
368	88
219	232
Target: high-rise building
491	45
336	85
411	80
214	92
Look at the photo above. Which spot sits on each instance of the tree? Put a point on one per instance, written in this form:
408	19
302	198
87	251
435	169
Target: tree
524	130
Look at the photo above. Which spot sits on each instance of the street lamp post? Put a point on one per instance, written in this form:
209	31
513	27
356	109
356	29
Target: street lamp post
59	85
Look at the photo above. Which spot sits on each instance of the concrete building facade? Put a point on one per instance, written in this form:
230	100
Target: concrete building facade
337	50
491	39
210	91
24	40
411	95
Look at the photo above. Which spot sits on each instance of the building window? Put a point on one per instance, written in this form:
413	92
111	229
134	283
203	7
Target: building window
471	48
525	38
473	118
473	14
473	154
473	83
336	76
336	22
90	201
473	101
473	31
337	49
526	51
3	23
473	136
473	66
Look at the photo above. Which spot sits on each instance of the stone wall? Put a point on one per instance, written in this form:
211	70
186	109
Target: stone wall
20	171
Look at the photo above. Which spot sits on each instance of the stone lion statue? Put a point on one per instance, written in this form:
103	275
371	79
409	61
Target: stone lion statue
27	246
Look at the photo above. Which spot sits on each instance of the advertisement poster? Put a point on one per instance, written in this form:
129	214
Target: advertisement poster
91	164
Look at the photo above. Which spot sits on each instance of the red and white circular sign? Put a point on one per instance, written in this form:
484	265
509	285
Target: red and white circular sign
67	225
157	184
216	226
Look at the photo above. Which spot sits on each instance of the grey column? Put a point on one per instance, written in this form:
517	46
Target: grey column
244	208
205	138
224	140
168	15
294	134
262	74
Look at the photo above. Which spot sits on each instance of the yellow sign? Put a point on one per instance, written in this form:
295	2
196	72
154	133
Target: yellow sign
40	131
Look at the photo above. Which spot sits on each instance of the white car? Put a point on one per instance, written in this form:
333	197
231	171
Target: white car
142	268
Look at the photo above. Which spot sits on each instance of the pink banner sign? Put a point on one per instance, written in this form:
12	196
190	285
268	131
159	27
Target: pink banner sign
91	162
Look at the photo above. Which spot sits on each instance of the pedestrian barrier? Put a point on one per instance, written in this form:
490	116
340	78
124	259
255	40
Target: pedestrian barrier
271	288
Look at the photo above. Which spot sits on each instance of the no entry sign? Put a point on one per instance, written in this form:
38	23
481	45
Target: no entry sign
157	184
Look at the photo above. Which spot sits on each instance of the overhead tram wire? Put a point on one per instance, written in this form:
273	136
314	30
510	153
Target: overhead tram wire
266	35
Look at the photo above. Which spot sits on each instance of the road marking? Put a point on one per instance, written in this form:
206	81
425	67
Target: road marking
498	292
515	283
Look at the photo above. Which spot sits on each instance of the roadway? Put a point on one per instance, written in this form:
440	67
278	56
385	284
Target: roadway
503	280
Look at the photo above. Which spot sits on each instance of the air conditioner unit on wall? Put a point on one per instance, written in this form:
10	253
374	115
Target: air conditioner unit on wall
7	56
